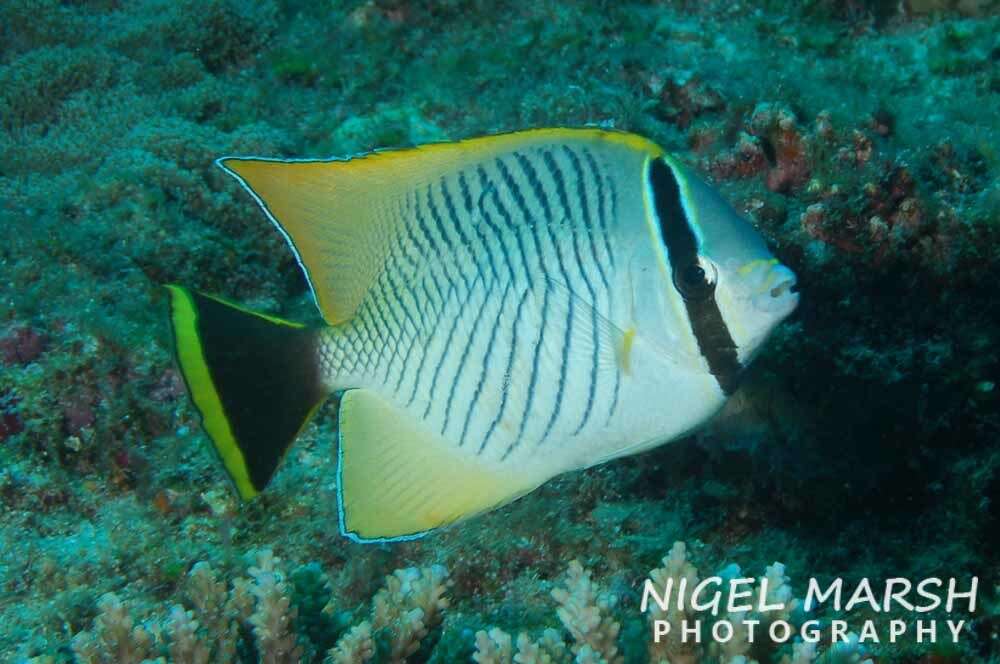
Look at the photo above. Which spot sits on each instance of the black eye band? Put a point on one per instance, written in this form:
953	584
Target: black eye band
714	340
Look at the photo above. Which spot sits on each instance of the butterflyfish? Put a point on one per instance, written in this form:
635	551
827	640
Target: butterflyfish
498	311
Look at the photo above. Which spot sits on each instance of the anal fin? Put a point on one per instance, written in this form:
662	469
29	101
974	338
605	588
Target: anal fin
397	479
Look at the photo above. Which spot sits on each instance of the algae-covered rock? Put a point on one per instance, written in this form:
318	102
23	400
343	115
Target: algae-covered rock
860	138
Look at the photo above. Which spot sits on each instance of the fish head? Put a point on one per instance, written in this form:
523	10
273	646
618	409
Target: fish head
729	275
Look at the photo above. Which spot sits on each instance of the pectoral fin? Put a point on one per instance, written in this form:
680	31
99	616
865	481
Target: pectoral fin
593	333
397	480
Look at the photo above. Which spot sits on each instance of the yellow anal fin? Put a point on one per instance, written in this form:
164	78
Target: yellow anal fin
397	480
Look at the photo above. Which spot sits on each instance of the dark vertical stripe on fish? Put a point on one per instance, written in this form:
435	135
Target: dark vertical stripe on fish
550	227
417	329
422	225
498	235
449	205
441	294
607	197
408	227
486	365
439	224
709	328
368	341
587	223
601	212
488	290
489	189
383	310
505	390
390	301
474	249
526	219
407	221
613	191
614	397
463	188
459	309
429	343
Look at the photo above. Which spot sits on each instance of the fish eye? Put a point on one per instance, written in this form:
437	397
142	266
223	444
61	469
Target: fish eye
695	280
694	274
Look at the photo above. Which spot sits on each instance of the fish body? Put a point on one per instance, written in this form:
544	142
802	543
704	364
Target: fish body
501	310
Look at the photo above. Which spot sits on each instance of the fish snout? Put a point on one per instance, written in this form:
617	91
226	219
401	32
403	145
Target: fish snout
778	291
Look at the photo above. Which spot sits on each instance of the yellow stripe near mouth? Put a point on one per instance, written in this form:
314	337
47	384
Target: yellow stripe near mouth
747	268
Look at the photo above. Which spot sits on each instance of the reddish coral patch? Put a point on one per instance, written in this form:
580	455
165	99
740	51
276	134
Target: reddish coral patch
78	414
10	421
22	345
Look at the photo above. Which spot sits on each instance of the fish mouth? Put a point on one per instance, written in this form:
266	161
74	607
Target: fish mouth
787	286
781	292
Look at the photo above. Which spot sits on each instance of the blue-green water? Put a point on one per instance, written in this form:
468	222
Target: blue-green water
860	139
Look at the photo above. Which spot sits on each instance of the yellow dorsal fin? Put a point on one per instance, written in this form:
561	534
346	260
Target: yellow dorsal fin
397	480
340	216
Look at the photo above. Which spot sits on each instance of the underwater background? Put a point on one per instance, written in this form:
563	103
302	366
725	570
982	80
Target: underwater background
861	137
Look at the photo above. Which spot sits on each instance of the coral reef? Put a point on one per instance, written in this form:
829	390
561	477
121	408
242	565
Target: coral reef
859	137
671	648
584	613
403	612
255	620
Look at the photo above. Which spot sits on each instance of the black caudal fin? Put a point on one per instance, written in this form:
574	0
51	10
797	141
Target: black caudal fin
254	378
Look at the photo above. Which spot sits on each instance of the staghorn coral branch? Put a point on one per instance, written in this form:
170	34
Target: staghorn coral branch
493	647
209	629
584	615
403	612
676	568
549	649
273	616
186	647
114	638
355	647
